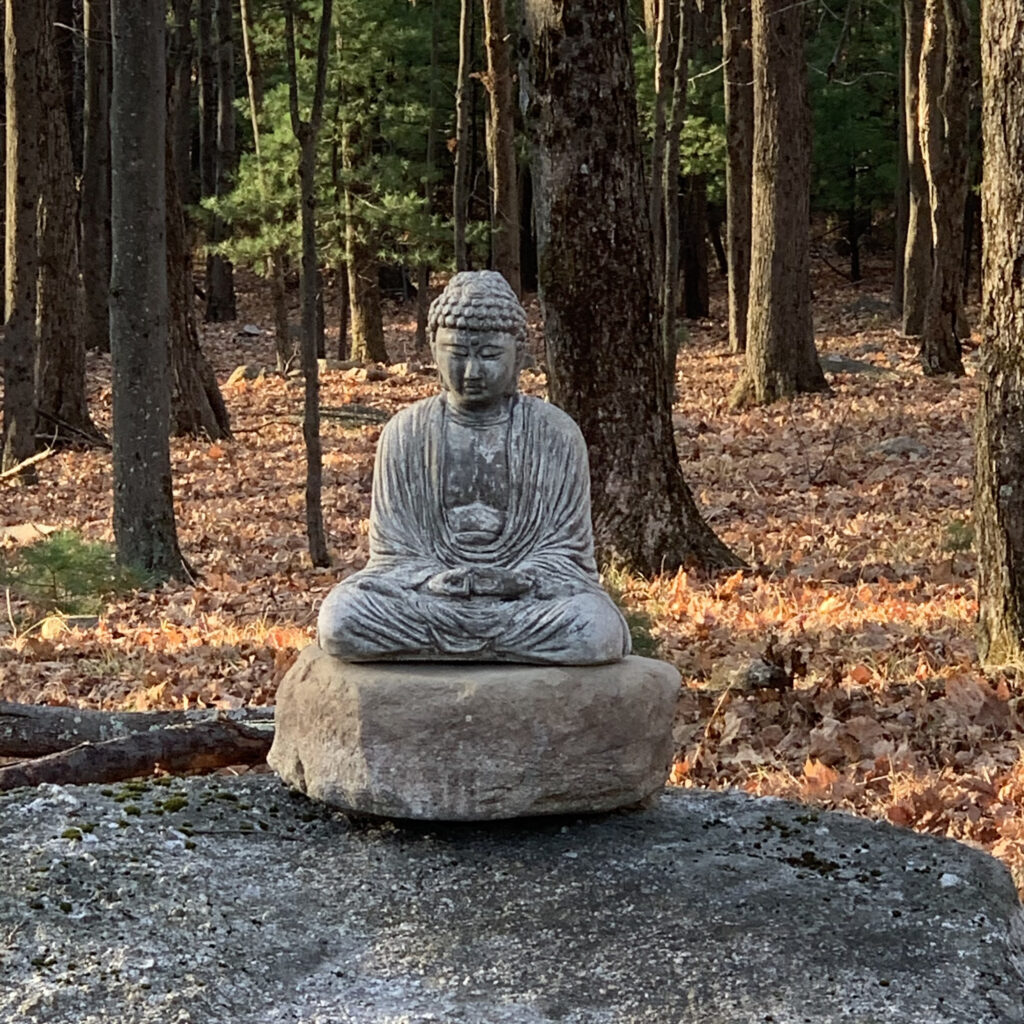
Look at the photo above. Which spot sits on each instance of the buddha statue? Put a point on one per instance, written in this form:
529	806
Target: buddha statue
480	539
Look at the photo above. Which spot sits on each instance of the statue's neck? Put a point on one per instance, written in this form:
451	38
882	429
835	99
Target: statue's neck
480	417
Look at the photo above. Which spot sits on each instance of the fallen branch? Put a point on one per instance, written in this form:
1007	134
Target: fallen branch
180	748
32	730
25	463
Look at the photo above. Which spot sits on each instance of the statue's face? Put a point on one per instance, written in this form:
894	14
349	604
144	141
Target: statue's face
477	367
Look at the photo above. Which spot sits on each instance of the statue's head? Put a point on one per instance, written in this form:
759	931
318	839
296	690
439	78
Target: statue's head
478	337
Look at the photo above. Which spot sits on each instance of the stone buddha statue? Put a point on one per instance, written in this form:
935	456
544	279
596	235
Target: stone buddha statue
480	538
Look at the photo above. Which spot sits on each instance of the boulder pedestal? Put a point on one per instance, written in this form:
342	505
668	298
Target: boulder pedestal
471	742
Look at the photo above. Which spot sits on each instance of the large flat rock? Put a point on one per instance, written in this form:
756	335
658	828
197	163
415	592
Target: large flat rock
459	741
707	909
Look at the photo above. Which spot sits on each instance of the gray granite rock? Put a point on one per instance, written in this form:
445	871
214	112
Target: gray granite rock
464	742
233	901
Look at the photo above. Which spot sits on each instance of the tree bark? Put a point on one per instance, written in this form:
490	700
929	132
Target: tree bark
901	197
460	187
23	34
781	357
306	134
63	412
501	147
197	405
942	126
917	261
95	186
739	134
999	429
696	290
178	749
605	364
366	317
179	128
206	79
670	189
33	730
662	86
220	275
144	528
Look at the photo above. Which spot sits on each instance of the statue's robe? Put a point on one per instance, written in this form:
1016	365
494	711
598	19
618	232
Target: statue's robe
385	611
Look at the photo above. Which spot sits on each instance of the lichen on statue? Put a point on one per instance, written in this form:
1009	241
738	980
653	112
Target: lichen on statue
480	539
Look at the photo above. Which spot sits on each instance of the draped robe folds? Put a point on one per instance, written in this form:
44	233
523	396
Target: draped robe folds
385	611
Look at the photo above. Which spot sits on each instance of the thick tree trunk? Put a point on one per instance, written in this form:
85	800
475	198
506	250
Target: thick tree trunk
197	406
501	147
178	749
306	134
999	433
33	730
179	127
739	134
672	207
781	357
144	529
23	35
95	186
220	274
460	187
605	365
942	125
206	80
63	412
917	260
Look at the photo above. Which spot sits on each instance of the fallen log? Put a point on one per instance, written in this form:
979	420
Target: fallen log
34	730
195	747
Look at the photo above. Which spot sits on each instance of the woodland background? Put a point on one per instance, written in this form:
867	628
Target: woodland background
827	636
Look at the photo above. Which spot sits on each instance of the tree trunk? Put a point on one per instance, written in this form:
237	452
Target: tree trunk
144	529
917	261
23	35
501	147
63	412
206	79
781	357
95	186
220	275
696	291
460	187
605	365
367	321
739	133
306	134
662	87
33	730
901	198
670	189
283	346
197	406
999	433
942	125
180	126
178	749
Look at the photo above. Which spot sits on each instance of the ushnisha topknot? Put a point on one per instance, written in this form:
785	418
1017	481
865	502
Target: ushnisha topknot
479	300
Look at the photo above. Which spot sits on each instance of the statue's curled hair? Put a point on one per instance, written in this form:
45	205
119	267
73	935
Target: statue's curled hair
480	300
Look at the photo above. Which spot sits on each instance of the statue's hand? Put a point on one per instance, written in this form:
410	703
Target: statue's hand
451	583
495	582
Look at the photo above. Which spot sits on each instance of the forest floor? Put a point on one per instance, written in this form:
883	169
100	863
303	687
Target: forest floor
852	510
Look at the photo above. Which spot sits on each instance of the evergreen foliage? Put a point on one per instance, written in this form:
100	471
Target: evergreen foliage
65	574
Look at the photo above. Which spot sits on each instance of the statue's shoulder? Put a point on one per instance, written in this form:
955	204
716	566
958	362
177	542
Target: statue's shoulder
412	419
